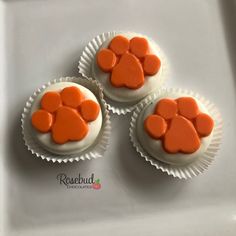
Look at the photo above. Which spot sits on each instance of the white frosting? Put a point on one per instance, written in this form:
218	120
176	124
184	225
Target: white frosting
154	147
124	94
45	139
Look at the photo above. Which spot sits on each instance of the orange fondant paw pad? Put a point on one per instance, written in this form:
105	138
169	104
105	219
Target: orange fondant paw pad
128	61
179	124
65	114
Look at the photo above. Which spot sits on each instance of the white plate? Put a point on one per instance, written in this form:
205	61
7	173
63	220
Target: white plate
42	40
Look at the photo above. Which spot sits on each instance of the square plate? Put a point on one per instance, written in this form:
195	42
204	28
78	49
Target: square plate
42	40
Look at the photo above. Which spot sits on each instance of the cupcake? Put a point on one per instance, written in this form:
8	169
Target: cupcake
176	131
129	66
65	120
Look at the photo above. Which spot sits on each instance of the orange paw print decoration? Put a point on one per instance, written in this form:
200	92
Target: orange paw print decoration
179	124
128	61
65	114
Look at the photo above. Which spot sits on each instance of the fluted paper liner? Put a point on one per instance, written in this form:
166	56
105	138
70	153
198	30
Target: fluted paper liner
96	150
86	61
202	162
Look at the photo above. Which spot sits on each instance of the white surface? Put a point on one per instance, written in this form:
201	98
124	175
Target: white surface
43	40
94	127
124	94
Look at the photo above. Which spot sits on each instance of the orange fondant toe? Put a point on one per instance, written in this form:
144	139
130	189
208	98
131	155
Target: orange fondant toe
51	101
106	59
139	46
167	108
151	64
188	107
204	124
42	120
155	126
89	110
119	45
71	96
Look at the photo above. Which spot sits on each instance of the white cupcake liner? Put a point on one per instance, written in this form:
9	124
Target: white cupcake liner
200	164
94	151
86	61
